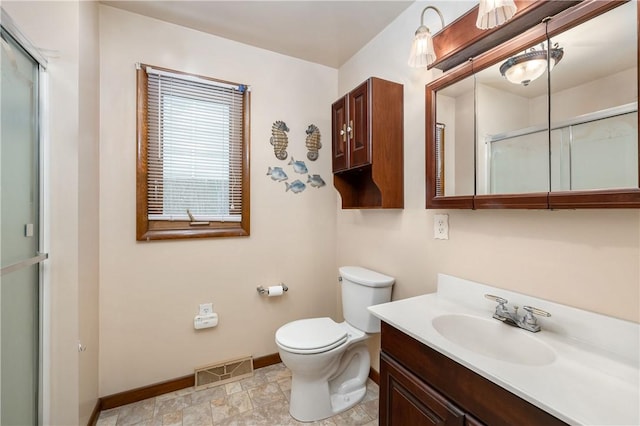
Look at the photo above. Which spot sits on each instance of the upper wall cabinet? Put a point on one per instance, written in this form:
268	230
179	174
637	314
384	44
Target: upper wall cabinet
566	137
367	145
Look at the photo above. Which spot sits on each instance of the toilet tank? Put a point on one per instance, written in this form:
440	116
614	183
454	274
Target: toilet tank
362	288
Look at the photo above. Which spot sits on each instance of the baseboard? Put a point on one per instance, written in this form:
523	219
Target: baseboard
374	376
93	420
150	391
267	360
145	392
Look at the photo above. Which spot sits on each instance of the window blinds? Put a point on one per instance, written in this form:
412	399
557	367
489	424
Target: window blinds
195	145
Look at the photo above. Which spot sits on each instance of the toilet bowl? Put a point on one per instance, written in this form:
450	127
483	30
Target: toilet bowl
330	361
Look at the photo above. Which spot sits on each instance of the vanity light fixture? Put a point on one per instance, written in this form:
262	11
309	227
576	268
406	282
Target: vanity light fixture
492	13
525	68
422	52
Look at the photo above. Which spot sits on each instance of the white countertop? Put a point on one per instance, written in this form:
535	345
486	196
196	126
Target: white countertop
593	380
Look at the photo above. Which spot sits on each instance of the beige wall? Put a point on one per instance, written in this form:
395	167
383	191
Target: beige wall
70	380
586	259
149	292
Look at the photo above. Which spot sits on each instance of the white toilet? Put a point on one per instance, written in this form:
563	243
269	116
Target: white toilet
329	361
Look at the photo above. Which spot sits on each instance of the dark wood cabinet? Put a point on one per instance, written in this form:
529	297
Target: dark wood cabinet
367	145
420	386
339	136
410	401
350	124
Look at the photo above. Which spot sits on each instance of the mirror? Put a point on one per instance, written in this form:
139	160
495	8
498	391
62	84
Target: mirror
566	139
511	125
594	104
455	139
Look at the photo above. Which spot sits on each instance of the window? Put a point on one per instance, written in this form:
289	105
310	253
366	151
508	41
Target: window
193	156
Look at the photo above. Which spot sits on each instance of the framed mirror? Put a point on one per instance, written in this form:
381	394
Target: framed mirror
567	138
594	107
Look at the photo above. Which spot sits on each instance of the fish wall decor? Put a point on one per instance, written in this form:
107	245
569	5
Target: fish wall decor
313	142
279	139
296	187
298	166
277	174
316	181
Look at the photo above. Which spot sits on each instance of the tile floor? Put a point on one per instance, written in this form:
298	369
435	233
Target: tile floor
259	400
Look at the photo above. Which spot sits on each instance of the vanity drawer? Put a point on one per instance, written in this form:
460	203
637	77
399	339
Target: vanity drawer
472	393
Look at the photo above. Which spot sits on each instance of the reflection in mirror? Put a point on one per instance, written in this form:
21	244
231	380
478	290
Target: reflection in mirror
455	158
594	104
512	138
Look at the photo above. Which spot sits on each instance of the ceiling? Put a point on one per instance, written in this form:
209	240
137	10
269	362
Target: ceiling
325	32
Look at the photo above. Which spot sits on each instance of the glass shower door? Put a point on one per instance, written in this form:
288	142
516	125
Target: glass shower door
19	235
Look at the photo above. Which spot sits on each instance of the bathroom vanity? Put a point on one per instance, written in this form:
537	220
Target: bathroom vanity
446	361
420	386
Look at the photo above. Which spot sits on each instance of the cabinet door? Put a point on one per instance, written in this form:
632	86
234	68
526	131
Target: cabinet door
359	140
339	135
406	400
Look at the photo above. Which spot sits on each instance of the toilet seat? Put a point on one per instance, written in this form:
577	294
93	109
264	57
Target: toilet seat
311	336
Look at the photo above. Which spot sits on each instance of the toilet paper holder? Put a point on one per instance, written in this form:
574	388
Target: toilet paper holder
265	291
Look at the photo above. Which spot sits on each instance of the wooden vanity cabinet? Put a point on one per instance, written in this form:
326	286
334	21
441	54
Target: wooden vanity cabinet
420	386
367	145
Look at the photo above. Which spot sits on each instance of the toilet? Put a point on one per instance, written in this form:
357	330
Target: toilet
330	361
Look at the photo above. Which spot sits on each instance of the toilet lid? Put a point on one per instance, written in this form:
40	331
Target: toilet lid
312	335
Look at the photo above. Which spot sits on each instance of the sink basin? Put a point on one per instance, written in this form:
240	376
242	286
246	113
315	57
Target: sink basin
491	338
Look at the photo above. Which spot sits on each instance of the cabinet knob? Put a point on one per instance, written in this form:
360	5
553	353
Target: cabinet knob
343	132
351	130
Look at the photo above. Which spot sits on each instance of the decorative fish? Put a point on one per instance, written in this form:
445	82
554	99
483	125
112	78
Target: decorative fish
277	174
279	139
313	142
296	187
298	166
316	181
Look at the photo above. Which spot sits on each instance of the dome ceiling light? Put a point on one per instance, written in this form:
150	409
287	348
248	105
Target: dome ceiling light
524	68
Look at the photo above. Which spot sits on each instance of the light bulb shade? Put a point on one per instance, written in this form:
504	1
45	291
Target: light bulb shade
492	13
525	68
422	52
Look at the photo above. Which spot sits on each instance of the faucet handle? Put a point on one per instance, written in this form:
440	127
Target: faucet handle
496	299
529	321
502	312
540	312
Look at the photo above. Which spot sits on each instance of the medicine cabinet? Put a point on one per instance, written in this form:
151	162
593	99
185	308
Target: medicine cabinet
567	139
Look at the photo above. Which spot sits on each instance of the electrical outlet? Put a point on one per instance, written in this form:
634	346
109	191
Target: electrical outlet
206	309
441	226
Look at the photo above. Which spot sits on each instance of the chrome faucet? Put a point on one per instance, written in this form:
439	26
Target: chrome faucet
528	321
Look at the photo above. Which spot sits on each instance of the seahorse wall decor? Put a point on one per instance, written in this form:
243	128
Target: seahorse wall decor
279	139
313	142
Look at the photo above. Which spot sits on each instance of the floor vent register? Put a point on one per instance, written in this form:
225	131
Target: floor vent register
224	372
